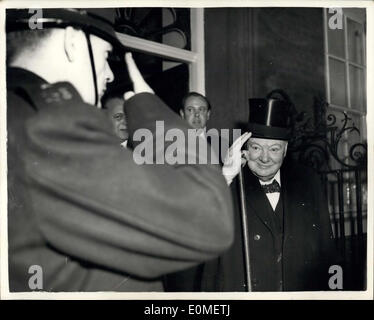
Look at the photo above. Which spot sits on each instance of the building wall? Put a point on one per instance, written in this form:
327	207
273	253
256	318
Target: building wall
227	68
250	52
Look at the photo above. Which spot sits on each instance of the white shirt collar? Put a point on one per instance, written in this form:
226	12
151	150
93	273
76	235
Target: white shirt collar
276	177
124	143
201	132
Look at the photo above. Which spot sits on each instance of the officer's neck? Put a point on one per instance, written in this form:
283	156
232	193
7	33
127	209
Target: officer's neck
37	68
47	62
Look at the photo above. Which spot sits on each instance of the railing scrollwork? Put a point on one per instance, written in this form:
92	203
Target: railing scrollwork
316	144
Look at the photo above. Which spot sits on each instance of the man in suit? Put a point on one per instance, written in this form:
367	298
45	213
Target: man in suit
116	115
282	221
82	215
195	110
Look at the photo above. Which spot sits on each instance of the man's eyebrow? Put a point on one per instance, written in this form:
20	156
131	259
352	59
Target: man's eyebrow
196	106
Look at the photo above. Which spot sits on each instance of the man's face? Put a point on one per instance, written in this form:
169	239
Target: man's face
104	74
81	64
117	117
66	56
196	112
265	157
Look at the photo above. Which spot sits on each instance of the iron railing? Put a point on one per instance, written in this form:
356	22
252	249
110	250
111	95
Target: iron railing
326	145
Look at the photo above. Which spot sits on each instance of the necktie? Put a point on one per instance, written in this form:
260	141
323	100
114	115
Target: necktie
272	187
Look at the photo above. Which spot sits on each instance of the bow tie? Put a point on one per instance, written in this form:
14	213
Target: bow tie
272	187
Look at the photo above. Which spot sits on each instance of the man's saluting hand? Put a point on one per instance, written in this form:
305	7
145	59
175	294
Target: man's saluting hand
136	77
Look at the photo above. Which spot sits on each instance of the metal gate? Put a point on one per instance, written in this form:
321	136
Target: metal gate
327	146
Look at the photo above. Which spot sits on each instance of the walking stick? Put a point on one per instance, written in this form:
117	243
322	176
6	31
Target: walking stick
245	233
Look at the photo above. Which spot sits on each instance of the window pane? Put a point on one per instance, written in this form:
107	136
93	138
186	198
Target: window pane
355	41
337	83
170	26
335	41
359	123
357	88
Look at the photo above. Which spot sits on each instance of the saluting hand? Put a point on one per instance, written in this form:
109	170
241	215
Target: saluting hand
235	158
136	78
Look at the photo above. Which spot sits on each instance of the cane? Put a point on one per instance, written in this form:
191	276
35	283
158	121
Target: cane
245	233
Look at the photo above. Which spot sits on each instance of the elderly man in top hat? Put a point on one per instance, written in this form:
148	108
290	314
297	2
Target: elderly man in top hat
283	239
82	215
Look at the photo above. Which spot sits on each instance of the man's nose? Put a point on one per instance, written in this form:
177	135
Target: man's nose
109	74
264	157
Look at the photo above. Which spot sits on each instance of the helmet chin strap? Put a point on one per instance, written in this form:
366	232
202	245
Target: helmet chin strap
94	77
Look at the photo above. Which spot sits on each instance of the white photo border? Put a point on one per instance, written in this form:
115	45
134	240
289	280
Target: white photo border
333	295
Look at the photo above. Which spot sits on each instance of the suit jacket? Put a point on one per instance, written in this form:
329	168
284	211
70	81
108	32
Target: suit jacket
81	208
307	249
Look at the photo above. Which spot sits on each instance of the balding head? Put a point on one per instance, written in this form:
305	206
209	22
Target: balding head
117	117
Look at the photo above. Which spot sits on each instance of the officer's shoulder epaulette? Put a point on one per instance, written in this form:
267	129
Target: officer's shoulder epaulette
58	93
52	94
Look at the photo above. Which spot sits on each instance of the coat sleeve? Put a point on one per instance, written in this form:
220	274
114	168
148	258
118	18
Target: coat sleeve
94	203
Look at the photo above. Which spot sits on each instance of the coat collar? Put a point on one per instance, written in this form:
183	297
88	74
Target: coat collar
18	77
37	92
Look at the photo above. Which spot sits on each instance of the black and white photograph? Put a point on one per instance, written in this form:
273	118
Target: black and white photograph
201	149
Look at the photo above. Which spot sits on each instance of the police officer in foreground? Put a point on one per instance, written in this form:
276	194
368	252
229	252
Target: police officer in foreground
79	209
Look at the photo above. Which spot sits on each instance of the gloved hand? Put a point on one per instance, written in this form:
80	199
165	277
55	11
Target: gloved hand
235	158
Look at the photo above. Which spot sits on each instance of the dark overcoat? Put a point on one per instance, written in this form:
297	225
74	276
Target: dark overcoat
304	254
83	211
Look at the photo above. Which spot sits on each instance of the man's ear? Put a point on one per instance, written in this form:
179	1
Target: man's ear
70	43
181	112
208	115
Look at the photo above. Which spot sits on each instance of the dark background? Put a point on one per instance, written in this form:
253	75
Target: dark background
252	51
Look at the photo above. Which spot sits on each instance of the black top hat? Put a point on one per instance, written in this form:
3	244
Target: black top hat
270	118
